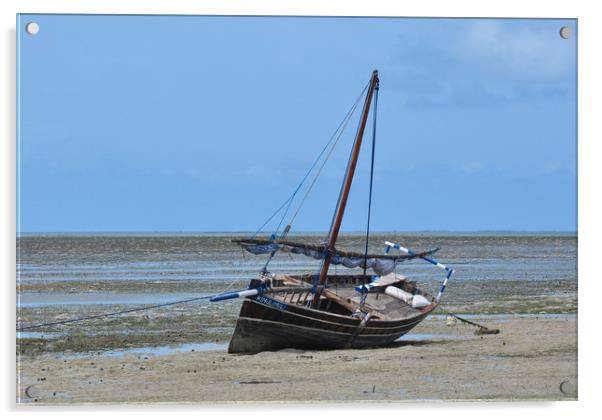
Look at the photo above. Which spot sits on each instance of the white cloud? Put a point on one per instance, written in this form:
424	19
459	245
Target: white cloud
538	53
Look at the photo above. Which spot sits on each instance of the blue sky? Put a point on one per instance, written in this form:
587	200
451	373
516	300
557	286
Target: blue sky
140	123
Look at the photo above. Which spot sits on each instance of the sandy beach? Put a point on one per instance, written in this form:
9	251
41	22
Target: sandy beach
530	359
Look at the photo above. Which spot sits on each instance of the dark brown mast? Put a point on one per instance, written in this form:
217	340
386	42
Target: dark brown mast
334	233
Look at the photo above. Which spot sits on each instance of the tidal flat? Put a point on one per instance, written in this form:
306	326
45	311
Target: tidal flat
525	285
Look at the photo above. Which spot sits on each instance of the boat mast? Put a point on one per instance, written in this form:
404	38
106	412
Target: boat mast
334	233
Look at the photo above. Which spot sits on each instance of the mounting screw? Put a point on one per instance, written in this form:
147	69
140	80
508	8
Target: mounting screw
32	28
565	32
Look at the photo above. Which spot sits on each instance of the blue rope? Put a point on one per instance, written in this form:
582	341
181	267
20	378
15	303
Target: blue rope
371	179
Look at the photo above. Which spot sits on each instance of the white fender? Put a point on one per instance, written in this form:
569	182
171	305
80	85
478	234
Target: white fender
420	301
399	294
416	301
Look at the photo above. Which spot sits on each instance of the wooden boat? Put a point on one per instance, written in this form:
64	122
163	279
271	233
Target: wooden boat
278	320
325	311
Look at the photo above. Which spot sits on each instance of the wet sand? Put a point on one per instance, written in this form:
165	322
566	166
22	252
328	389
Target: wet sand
529	359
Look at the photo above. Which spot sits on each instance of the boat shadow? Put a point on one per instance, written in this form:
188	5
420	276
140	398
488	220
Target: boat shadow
394	345
424	340
417	343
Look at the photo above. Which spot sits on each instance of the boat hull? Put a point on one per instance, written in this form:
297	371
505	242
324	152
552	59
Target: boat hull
266	324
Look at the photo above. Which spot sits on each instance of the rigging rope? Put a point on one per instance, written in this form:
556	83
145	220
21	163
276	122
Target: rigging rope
340	129
288	201
371	179
326	250
334	214
313	182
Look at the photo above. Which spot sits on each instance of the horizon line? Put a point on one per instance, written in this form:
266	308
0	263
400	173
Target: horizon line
291	233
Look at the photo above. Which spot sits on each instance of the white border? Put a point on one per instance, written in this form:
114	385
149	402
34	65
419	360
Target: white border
589	171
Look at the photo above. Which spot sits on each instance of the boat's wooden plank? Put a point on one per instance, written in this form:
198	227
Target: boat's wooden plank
317	319
253	335
346	303
389	279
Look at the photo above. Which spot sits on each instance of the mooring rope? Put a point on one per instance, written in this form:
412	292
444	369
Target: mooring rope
126	311
482	328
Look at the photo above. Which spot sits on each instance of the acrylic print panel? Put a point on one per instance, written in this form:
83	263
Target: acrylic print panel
146	144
